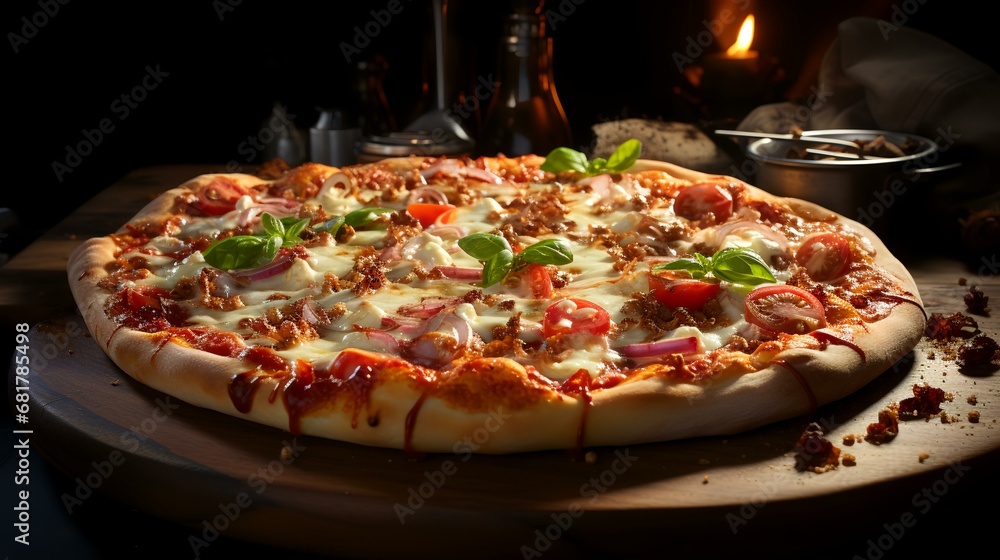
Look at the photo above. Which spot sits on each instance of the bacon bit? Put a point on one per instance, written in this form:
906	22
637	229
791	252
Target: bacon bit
331	284
537	214
815	453
974	416
368	274
940	327
849	440
981	350
925	402
977	302
659	319
885	429
923	457
293	323
506	305
849	460
214	293
114	383
278	296
186	288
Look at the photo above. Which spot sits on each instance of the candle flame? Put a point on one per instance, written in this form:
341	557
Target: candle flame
743	41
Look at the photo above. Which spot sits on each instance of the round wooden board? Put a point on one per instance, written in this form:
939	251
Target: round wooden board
213	472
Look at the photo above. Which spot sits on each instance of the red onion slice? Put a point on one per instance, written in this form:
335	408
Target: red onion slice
455	168
730	228
426	195
280	264
461	272
685	345
387	340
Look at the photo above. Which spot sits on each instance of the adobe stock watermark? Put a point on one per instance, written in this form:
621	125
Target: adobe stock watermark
224	7
593	489
254	144
696	44
922	502
767	490
32	24
899	17
129	440
556	14
418	496
122	107
887	196
230	511
365	33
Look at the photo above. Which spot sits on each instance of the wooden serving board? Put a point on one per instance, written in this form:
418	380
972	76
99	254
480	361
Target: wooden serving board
207	470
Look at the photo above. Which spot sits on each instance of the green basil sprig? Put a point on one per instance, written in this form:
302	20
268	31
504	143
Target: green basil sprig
499	259
738	265
566	159
357	219
251	251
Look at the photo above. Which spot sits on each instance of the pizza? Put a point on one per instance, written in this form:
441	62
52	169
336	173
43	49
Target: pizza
495	304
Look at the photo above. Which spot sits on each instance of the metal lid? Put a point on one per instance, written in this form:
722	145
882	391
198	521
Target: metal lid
416	143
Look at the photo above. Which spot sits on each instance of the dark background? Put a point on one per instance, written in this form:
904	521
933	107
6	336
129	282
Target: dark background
226	66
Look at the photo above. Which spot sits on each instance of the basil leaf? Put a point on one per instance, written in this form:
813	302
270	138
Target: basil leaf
497	268
484	246
364	216
741	266
332	225
549	251
693	266
272	225
565	159
293	228
624	156
242	251
597	166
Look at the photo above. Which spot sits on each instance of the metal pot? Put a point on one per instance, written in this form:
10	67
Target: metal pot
865	190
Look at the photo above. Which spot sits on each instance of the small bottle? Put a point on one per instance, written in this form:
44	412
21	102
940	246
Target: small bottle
525	115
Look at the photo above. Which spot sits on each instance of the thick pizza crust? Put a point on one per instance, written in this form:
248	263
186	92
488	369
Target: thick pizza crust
647	410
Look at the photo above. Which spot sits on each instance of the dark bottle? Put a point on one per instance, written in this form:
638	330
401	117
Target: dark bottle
525	115
372	106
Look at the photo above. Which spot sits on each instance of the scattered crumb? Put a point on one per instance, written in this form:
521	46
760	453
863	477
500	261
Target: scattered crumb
962	281
86	334
922	457
974	416
704	462
849	439
925	402
286	453
977	302
972	400
590	458
944	417
705	480
114	383
931	356
885	429
69	351
848	460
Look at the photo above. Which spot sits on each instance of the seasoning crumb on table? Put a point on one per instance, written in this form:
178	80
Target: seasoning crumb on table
922	457
974	416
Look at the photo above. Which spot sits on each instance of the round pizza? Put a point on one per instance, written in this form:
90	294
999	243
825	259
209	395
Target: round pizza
536	302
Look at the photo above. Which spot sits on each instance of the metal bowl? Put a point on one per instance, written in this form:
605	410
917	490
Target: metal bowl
862	189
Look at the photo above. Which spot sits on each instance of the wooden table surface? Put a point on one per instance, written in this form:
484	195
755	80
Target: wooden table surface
752	497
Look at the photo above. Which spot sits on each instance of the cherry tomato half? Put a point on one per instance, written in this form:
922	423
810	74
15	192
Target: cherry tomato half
690	294
572	315
825	255
219	196
696	201
785	309
536	280
428	214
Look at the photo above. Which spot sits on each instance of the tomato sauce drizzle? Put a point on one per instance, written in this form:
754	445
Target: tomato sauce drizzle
411	420
578	385
813	404
824	336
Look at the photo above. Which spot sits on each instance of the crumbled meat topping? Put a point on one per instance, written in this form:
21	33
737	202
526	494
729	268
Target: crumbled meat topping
885	429
815	453
977	302
926	401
